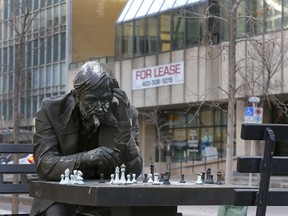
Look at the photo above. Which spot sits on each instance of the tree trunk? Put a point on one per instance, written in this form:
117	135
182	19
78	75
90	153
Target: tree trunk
231	102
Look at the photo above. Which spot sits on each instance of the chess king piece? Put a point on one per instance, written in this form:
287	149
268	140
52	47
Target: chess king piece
123	177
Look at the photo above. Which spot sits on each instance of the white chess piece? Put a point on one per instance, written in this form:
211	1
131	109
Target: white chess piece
112	179
150	180
156	179
66	176
199	179
123	178
72	179
62	179
134	178
116	180
78	177
129	179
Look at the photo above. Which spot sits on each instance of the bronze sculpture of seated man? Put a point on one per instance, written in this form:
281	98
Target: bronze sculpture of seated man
93	128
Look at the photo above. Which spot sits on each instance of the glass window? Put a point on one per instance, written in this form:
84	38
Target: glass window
42	51
205	118
55	48
165	36
178	31
285	13
49	76
62	74
56	78
152	35
192	29
145	6
63	46
11	57
133	10
118	41
139	39
273	15
256	9
5	59
42	77
28	54
127	40
11	82
35	78
49	50
35	52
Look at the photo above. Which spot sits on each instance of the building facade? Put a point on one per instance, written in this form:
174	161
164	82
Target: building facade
172	61
62	33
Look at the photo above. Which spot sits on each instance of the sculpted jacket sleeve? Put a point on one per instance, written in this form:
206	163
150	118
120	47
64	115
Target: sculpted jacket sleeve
49	159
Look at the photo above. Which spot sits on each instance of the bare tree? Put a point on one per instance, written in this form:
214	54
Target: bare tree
229	13
19	22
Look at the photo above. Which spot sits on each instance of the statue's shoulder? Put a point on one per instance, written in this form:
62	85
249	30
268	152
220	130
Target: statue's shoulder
57	101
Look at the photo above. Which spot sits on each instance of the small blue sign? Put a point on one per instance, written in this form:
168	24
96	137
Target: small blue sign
249	111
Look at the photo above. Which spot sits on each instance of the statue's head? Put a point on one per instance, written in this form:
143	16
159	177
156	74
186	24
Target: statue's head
92	91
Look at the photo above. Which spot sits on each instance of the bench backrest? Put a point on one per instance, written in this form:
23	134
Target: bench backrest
6	188
266	164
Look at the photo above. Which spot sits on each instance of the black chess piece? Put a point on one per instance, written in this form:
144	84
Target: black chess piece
145	178
101	178
162	177
166	178
152	170
219	178
209	179
203	176
182	179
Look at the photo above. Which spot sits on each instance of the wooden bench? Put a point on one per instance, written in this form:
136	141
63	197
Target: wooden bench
266	165
21	187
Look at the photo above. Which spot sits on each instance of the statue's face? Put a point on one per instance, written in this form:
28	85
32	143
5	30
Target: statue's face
95	104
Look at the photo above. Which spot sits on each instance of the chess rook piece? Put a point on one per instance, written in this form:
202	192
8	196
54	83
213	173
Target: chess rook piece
219	178
182	179
166	178
145	180
152	170
199	179
209	179
101	178
156	179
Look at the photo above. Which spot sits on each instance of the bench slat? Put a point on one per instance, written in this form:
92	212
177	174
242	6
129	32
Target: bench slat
256	131
251	164
17	168
248	197
14	188
16	148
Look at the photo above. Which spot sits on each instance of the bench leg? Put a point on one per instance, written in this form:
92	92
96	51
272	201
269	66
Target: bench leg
265	170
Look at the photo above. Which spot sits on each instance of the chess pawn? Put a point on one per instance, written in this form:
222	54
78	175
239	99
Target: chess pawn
72	179
199	179
182	179
62	179
150	180
134	178
123	177
156	179
112	179
116	180
129	179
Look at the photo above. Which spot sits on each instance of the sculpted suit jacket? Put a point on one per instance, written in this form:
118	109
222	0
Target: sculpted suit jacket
57	142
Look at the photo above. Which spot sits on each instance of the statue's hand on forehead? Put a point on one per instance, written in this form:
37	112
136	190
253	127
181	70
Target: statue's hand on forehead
120	111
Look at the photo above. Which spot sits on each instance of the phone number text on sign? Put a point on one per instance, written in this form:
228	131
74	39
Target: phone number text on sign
161	75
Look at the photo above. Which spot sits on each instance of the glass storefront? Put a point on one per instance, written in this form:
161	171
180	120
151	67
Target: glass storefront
192	135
